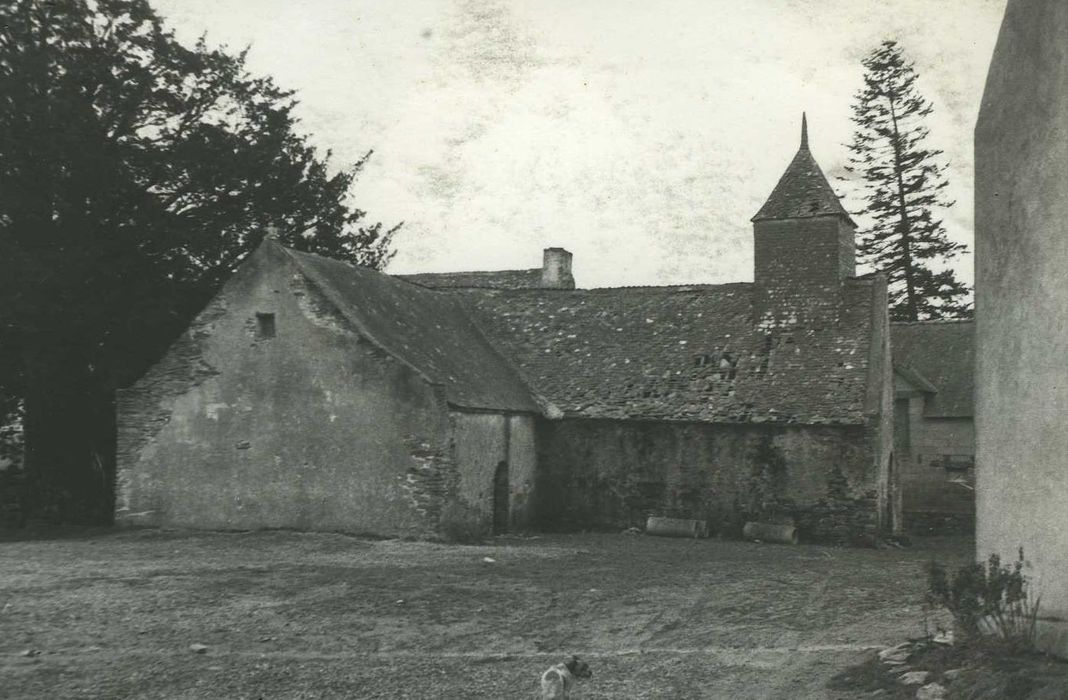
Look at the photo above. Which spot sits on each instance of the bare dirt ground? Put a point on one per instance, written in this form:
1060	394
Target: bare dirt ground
289	615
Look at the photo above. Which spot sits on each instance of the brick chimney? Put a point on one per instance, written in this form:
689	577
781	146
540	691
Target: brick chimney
556	269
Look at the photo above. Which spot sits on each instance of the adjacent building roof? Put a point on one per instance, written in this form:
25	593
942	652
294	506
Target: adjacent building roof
428	330
502	279
689	353
943	353
803	191
915	379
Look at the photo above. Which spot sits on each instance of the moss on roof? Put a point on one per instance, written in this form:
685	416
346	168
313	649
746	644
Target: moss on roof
691	353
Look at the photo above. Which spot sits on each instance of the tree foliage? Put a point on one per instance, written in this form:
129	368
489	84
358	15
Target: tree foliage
135	173
904	183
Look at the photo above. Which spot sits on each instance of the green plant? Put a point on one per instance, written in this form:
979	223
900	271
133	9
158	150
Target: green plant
987	599
462	524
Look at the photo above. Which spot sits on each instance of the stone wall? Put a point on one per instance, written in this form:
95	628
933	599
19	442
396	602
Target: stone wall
1021	253
271	412
799	265
602	474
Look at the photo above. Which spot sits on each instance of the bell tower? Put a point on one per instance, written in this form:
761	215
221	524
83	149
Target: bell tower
804	246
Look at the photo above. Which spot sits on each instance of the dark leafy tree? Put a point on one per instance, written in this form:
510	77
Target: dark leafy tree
135	173
904	183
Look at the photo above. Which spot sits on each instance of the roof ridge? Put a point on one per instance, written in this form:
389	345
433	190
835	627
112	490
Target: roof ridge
670	287
466	272
933	322
665	288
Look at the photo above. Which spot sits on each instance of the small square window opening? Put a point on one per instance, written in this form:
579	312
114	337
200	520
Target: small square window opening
265	327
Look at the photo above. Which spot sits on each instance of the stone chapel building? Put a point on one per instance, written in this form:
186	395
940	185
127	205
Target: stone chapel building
316	395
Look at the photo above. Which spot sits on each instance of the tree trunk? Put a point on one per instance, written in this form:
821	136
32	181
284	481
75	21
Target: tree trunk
69	437
911	307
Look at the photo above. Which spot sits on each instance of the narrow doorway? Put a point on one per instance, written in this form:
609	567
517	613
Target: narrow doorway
501	492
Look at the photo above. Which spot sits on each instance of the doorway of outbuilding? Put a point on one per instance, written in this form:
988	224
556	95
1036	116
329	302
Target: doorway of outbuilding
501	492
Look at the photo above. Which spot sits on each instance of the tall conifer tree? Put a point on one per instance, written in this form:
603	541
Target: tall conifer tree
904	183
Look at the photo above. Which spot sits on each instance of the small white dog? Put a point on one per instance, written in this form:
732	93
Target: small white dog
557	680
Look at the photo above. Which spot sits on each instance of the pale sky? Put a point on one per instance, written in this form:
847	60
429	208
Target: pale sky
639	135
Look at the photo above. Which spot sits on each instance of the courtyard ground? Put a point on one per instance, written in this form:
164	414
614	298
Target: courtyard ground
113	614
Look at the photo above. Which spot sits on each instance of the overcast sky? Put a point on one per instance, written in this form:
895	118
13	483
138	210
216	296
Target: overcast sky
640	135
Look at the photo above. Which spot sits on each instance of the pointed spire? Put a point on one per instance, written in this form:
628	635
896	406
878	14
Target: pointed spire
803	190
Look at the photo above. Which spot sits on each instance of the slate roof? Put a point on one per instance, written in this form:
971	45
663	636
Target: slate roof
428	330
943	353
687	353
684	353
803	191
655	353
502	279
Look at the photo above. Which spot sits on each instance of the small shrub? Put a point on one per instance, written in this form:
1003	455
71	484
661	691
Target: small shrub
462	524
987	599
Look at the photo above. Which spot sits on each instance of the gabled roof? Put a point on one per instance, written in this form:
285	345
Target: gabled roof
655	353
943	352
427	330
502	279
803	191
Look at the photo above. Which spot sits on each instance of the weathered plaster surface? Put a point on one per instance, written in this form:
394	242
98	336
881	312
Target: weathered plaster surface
483	440
1021	159
522	464
312	428
880	408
